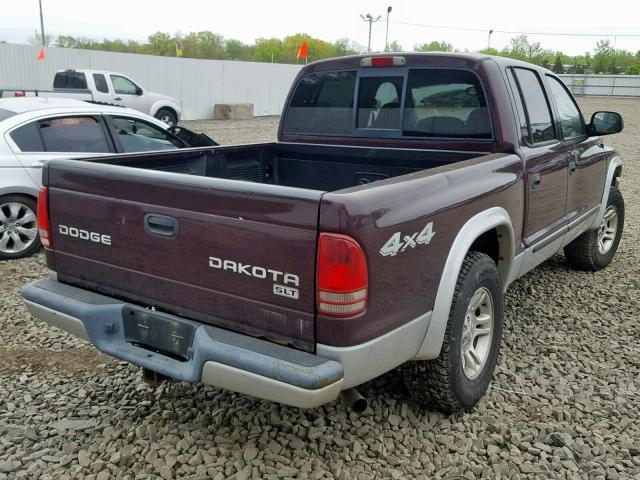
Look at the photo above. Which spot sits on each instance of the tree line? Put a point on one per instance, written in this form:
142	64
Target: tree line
213	46
605	58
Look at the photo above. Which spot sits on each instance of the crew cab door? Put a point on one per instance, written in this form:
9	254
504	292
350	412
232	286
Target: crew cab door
545	159
586	158
128	94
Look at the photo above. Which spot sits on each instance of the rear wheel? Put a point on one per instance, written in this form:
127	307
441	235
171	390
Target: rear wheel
595	249
461	374
167	116
18	227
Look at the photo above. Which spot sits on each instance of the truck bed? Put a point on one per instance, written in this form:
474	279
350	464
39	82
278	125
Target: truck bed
324	168
183	238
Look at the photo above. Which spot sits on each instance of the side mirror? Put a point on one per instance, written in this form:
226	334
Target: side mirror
605	123
138	91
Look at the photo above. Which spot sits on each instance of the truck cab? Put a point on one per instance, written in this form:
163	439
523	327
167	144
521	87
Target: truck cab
117	89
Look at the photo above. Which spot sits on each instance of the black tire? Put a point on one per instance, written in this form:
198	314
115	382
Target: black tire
167	116
29	203
442	383
584	252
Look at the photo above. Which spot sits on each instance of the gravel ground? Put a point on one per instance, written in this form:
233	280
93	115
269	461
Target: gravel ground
564	402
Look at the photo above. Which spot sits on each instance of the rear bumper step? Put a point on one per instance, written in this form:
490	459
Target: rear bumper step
187	350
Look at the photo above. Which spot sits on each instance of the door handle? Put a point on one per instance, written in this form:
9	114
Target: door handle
37	164
536	181
161	225
118	98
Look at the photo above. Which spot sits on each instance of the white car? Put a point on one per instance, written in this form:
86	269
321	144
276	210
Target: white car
35	129
111	88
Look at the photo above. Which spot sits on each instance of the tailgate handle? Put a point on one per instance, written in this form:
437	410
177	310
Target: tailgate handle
161	225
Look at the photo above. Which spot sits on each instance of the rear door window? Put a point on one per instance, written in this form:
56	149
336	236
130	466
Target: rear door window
70	79
101	83
138	136
322	104
379	102
446	103
73	134
536	106
522	118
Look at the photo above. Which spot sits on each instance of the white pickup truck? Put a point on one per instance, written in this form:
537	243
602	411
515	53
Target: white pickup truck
105	87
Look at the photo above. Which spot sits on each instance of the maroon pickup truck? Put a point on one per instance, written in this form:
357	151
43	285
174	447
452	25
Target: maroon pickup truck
403	196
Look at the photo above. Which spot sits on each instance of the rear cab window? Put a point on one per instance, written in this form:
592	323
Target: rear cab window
322	104
396	103
70	79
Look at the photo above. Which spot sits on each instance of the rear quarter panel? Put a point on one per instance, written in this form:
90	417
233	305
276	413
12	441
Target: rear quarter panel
403	286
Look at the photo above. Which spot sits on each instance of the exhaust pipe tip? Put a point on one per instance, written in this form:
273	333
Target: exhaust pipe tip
352	399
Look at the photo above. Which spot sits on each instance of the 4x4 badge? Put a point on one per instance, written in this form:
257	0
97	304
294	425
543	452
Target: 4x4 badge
399	243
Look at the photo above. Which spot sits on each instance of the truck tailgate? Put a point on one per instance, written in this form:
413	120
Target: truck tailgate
238	255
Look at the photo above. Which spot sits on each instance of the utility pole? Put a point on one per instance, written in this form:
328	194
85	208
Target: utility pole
386	35
41	23
489	44
369	18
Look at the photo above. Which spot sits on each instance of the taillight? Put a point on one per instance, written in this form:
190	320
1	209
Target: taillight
383	61
19	94
342	276
43	218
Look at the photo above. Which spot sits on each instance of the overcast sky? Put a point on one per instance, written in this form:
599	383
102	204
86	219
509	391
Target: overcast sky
334	19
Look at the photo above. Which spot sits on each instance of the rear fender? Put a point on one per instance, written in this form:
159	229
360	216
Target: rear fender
492	218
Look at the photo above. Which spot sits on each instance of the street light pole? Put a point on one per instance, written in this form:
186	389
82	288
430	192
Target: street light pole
489	44
41	23
369	18
386	35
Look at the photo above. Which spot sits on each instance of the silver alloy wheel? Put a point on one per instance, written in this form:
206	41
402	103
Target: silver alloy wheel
18	227
477	333
608	229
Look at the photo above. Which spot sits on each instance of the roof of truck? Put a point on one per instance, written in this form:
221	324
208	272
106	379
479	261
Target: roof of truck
419	59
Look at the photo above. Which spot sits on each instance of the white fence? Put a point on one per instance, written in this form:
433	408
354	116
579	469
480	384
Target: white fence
603	85
196	84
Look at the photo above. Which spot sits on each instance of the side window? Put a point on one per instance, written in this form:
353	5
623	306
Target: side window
101	83
522	119
70	79
445	103
537	109
123	86
322	104
138	136
379	103
571	120
28	138
73	134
